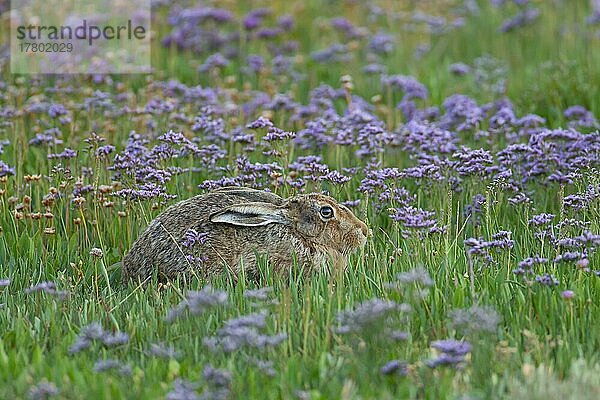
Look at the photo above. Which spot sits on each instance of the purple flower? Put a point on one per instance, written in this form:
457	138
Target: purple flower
243	332
56	110
472	162
66	154
94	332
286	22
111	364
452	347
570	256
115	339
261	294
525	17
274	133
412	217
541	219
43	391
482	248
268	33
462	113
594	18
372	69
103	151
453	353
547	280
568	294
580	116
526	266
367	316
394	367
347	28
459	69
193	237
161	350
381	43
265	366
412	88
255	62
337	52
4	282
254	18
214	61
183	390
252	22
351	203
417	275
475	319
261	122
6	169
445	359
49	288
216	377
198	302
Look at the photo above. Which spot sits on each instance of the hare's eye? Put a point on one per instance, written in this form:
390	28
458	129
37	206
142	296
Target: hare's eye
326	212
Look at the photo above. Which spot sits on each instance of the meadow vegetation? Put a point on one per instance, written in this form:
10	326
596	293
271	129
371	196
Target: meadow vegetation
464	133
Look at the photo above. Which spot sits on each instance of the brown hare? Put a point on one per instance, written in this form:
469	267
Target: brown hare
232	226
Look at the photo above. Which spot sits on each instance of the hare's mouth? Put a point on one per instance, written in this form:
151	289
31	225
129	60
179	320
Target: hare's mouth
353	241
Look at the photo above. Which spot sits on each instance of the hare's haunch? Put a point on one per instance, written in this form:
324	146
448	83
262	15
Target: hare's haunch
230	227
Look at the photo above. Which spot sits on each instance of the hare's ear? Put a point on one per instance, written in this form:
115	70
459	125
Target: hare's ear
251	214
252	195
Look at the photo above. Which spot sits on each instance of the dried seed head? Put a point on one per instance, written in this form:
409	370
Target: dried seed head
48	200
78	201
50	230
32	178
96	252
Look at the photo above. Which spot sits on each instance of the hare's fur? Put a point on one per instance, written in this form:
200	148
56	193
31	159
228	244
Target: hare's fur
242	224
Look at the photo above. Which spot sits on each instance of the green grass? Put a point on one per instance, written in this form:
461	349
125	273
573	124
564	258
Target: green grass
540	337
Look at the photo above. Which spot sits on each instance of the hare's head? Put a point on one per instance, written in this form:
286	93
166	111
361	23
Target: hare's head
324	221
316	218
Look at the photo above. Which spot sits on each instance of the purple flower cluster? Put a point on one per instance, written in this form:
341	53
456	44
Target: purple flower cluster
452	353
112	365
524	17
197	302
475	319
244	332
394	367
49	288
192	238
547	280
368	316
483	248
95	333
43	391
526	267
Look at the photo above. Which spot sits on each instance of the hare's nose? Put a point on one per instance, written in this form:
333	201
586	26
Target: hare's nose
364	230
